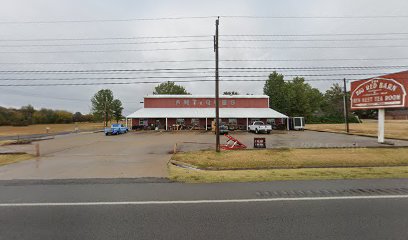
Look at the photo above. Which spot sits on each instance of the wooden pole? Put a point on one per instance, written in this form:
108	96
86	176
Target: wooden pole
37	149
217	109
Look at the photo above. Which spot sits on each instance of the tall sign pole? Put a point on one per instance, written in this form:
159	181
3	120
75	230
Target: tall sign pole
381	121
345	106
217	107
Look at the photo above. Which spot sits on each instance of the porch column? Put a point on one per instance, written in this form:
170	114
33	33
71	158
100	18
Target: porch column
166	124
287	124
126	122
247	125
206	124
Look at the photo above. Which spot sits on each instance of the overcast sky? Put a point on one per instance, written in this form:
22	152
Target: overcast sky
23	21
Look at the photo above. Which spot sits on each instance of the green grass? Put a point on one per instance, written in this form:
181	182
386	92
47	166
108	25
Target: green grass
295	158
198	176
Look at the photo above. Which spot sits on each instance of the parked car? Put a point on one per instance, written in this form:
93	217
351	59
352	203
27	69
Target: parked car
116	129
223	129
259	127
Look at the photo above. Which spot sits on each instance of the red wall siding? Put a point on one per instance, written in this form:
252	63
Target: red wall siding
205	102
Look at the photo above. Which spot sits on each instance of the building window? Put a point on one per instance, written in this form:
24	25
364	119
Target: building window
195	121
180	121
143	121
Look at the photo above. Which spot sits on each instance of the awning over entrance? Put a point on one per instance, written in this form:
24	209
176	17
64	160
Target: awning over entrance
206	113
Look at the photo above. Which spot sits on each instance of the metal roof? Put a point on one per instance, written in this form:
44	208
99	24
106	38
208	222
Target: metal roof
206	113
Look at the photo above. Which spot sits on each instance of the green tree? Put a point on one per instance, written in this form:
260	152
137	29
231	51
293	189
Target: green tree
28	112
169	88
102	107
276	88
333	103
117	109
77	117
230	93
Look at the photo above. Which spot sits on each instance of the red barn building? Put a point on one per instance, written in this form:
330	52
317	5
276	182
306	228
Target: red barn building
198	111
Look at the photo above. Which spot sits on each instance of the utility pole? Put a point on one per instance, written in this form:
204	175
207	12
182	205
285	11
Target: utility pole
345	106
217	107
106	112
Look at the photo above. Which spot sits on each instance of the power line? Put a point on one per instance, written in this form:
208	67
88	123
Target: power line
200	48
199	17
113	62
113	50
205	60
99	78
328	67
314	47
314	60
145	82
313	34
314	40
103	38
107	20
105	44
186	70
315	17
199	40
106	70
198	36
186	77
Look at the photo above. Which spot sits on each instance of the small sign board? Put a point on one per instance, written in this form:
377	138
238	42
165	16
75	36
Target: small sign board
389	91
259	143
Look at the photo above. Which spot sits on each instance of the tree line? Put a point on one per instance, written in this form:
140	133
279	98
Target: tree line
27	115
298	98
104	108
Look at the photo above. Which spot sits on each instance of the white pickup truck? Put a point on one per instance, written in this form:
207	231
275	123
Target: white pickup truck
259	126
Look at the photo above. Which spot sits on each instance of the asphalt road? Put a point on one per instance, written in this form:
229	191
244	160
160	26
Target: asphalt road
156	209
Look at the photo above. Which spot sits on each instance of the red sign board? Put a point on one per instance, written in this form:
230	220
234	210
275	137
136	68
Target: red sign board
389	91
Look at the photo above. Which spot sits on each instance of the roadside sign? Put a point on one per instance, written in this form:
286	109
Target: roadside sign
388	91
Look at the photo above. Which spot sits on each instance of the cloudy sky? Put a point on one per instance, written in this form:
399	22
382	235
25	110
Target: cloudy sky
76	35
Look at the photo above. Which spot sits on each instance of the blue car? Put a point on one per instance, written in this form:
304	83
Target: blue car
116	129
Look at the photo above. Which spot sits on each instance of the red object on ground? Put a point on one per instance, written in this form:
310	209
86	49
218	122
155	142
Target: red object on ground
233	144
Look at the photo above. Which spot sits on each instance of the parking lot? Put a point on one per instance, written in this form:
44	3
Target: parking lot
145	154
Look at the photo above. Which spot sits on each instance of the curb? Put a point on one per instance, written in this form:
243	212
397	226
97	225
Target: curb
189	166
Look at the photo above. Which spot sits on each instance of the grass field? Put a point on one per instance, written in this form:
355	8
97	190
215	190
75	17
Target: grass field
12	158
194	176
53	128
290	164
393	128
295	158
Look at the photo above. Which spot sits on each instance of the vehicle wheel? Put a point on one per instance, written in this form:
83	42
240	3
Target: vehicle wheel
256	131
268	132
106	134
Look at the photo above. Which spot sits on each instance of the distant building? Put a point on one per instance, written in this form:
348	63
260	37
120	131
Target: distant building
396	114
198	111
